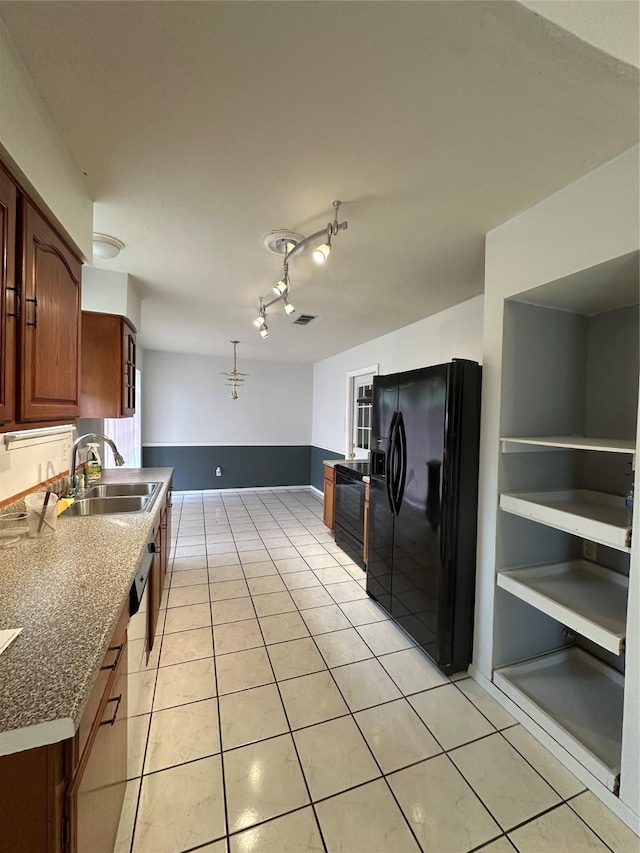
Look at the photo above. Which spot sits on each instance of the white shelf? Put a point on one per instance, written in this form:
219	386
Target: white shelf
584	596
565	442
596	516
578	700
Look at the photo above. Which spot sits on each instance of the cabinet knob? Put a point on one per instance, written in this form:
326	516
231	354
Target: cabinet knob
152	548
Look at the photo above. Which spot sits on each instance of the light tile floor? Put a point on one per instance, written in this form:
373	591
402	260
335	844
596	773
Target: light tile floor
282	711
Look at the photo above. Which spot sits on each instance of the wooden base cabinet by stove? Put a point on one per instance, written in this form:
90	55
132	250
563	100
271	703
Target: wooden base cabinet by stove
67	797
329	515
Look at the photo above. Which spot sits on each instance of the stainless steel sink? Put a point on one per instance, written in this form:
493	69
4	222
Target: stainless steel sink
109	506
119	490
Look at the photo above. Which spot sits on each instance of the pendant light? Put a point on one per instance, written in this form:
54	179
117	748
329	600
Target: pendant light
234	377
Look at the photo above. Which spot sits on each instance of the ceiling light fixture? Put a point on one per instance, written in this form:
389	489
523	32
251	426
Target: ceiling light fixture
321	254
106	247
234	378
289	245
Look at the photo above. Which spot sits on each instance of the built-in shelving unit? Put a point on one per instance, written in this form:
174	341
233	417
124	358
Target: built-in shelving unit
596	516
584	596
568	421
578	700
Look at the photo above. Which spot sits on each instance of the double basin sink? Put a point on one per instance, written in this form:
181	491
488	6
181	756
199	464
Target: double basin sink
111	498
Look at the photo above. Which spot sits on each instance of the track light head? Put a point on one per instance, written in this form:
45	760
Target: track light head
280	287
321	254
260	321
264	332
288	307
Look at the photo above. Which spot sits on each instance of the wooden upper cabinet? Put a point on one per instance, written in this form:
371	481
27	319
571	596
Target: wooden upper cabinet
8	298
108	383
129	369
49	323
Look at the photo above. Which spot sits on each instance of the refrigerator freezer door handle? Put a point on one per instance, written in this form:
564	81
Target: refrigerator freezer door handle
402	449
396	467
388	463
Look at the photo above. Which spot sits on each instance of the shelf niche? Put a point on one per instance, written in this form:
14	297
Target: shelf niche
568	420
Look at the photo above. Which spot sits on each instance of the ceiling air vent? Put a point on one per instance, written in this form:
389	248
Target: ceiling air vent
304	319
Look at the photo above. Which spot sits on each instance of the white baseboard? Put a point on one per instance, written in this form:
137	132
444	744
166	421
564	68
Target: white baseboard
249	489
317	492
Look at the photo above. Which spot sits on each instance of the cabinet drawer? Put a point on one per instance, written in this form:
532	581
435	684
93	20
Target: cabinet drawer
96	793
109	664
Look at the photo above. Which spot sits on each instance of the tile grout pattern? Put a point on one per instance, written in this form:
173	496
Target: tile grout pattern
331	729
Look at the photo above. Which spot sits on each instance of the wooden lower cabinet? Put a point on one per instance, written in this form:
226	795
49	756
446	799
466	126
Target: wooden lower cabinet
162	545
155	582
32	785
67	797
97	791
329	496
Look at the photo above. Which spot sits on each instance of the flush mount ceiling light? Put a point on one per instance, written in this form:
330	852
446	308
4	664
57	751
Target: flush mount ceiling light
234	378
288	244
106	247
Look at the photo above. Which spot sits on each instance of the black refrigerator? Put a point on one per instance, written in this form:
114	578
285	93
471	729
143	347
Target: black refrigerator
423	505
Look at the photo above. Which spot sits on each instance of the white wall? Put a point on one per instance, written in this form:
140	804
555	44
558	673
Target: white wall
609	26
185	401
110	292
454	333
30	138
24	464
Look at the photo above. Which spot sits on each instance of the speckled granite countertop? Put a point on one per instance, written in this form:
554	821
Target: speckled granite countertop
67	592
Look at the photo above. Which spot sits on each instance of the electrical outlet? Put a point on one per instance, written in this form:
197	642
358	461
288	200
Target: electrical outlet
218	471
589	550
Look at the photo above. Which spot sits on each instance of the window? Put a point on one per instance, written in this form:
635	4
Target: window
364	405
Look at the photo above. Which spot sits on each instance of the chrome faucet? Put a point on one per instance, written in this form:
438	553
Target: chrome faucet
73	475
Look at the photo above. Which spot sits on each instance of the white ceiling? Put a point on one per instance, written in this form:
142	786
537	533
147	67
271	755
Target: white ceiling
202	126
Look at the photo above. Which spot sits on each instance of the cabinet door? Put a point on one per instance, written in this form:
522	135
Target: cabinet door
97	792
129	371
50	324
8	297
32	787
155	590
329	503
101	373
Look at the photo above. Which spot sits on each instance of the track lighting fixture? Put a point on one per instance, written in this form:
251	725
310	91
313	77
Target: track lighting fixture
289	245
